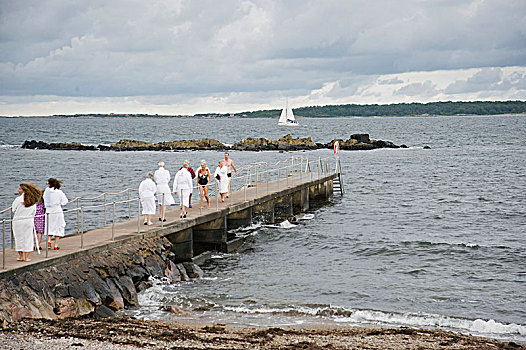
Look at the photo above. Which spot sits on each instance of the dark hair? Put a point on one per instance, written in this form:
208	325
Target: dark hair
31	194
54	183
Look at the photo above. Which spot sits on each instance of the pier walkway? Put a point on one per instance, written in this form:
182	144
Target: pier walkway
258	198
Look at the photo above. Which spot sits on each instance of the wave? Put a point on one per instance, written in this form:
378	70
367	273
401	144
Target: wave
428	243
286	224
481	327
305	217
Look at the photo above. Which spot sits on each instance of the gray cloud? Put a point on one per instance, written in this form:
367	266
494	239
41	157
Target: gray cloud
488	79
264	47
392	81
427	88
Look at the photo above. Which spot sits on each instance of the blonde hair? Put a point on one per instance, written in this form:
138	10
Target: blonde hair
161	163
203	162
149	175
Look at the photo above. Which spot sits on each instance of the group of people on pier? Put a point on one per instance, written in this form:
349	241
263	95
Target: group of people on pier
30	211
156	186
37	212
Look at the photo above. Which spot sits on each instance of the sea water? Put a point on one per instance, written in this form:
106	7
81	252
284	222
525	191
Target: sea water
428	238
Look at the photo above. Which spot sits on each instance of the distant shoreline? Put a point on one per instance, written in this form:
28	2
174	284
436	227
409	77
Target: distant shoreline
432	109
152	116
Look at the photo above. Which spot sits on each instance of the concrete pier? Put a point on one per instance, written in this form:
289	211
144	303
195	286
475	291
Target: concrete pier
203	229
119	257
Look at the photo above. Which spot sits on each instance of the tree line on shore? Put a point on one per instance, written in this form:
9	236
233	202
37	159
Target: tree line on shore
403	109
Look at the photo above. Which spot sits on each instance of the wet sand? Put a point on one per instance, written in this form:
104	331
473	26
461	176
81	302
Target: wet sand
125	333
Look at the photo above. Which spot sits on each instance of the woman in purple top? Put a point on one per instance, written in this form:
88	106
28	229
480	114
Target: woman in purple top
40	219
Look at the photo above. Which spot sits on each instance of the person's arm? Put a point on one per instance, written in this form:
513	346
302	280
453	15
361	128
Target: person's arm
64	199
233	167
190	183
175	183
209	177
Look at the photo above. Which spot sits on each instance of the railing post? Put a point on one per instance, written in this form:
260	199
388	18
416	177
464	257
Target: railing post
301	165
163	212
217	198
78	217
246	177
12	234
129	205
267	178
113	224
105	218
287	174
47	233
139	215
257	173
3	244
81	230
319	167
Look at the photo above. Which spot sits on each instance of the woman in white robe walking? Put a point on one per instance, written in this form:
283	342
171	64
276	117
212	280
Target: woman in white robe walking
24	209
147	190
54	199
183	187
221	175
164	196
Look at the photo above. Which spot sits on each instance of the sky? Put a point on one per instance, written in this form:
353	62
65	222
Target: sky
198	56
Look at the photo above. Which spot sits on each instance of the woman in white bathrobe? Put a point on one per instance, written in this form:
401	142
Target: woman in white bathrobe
24	210
147	190
164	196
54	199
221	175
183	187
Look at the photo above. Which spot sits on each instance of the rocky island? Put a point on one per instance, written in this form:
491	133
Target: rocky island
286	143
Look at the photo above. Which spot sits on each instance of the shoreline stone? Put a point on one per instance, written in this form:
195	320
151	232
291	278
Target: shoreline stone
93	286
285	143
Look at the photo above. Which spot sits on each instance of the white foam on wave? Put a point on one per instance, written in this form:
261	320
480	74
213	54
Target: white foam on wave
306	217
257	310
380	318
427	320
286	224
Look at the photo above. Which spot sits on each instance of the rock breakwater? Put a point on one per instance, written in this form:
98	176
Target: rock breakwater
285	143
92	285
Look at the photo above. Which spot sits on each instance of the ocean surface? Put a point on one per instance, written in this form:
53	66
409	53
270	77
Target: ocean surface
430	238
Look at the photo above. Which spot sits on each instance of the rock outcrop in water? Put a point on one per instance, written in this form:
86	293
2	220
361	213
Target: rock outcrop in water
286	143
92	285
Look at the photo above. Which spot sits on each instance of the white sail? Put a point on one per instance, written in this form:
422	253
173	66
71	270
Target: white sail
290	115
283	117
287	116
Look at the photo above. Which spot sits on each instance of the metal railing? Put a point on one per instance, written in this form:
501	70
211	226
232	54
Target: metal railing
258	176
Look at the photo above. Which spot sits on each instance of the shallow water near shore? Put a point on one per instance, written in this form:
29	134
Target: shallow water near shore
423	238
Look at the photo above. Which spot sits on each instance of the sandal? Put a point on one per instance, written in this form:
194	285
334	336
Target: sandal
56	248
49	244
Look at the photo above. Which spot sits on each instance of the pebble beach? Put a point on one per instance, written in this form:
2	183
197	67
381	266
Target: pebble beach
125	333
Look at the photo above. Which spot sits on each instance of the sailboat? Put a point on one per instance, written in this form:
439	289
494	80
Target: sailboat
287	117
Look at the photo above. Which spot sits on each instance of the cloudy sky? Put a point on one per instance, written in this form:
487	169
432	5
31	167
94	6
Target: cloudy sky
197	56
